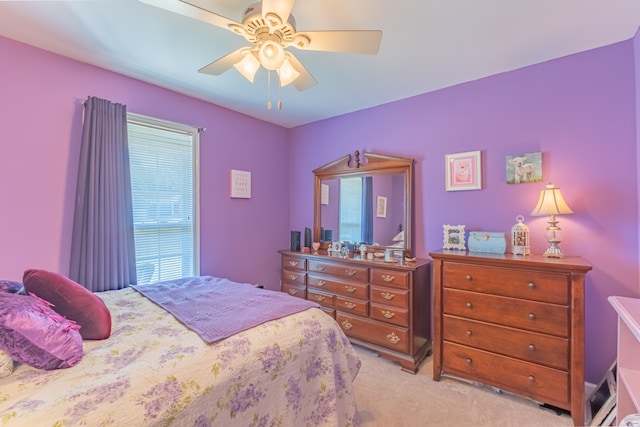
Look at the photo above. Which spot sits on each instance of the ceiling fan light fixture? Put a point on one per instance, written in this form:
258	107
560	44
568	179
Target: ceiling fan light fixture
287	73
248	66
271	55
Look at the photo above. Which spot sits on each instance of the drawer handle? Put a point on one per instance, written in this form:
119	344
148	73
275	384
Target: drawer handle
468	277
532	347
469	361
293	291
469	305
346	325
387	295
388	314
293	263
393	338
350	272
320	298
532	285
350	305
320	267
469	333
350	289
532	379
321	283
532	316
293	277
388	278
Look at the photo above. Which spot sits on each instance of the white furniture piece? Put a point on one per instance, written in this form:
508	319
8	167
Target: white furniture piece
628	371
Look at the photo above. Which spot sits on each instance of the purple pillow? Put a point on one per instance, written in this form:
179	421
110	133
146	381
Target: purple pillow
71	300
12	287
32	333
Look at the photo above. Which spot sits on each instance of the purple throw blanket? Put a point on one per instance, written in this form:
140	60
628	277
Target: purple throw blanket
217	308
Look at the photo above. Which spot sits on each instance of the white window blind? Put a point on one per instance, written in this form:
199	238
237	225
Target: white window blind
351	209
164	179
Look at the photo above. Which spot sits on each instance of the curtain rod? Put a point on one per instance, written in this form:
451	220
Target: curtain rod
198	128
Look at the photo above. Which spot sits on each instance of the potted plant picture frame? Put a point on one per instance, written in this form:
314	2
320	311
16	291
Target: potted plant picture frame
454	237
463	171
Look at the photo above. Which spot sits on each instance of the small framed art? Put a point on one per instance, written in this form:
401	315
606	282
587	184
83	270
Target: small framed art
463	171
523	168
240	184
454	237
382	207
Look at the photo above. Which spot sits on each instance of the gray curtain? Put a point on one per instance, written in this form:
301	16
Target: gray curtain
102	247
367	210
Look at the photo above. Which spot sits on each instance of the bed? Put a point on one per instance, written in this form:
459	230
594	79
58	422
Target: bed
154	371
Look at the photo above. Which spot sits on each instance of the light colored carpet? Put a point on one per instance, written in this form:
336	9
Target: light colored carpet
387	396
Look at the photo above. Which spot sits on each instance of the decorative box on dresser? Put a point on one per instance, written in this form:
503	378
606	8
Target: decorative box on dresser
515	322
385	307
628	369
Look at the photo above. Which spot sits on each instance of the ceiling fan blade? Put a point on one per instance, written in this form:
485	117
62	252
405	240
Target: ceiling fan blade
305	80
282	8
348	41
221	65
193	9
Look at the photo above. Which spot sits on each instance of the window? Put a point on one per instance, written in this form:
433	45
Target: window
164	189
351	209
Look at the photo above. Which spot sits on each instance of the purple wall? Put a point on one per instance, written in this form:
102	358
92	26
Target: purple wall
579	111
41	129
636	45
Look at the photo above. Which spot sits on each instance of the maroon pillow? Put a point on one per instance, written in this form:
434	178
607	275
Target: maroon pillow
71	300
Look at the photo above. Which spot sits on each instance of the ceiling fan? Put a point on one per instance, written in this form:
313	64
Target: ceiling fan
271	29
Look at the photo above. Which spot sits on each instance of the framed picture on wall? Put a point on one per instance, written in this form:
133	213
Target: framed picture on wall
381	207
463	171
523	168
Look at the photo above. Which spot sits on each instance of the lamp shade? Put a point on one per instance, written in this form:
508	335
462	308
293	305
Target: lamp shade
248	66
551	202
271	55
287	73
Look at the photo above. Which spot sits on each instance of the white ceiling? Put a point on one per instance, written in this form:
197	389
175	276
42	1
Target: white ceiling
426	45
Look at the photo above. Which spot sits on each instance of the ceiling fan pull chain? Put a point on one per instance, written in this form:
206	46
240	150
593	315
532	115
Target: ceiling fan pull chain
268	90
279	97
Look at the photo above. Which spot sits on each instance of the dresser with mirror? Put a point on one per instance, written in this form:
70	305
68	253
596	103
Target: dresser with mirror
381	303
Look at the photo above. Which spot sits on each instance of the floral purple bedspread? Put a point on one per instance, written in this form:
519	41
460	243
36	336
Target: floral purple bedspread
153	371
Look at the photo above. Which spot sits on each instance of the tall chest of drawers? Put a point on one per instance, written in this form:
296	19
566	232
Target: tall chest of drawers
514	322
385	307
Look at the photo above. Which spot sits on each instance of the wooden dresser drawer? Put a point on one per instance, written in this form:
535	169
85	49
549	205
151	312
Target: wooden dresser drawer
537	382
351	289
530	346
395	315
383	334
297	277
514	322
347	271
399	329
322	298
294	290
386	296
529	315
527	284
293	263
359	307
394	278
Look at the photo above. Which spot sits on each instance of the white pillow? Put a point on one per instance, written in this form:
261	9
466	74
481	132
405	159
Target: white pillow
6	364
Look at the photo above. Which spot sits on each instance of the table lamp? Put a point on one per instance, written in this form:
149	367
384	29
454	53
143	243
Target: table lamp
552	203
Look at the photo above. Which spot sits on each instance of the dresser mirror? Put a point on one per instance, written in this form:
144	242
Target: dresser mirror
365	200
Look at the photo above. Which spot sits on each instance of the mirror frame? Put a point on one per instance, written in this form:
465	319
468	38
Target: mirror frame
374	164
